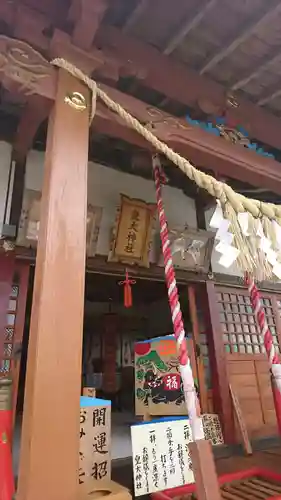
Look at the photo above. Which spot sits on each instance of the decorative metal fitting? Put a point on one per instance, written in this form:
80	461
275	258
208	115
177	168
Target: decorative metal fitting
76	100
231	101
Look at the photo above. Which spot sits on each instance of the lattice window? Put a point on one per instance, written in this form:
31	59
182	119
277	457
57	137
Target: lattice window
9	331
205	356
240	331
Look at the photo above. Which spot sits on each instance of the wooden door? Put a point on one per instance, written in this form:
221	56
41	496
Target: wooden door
247	365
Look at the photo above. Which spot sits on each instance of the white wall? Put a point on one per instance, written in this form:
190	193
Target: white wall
5	159
104	187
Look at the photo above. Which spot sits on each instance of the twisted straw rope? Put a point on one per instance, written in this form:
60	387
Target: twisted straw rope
217	189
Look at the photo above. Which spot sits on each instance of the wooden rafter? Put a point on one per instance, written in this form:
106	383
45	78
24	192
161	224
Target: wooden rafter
270	96
188	25
135	15
119	52
265	63
179	83
246	31
86	16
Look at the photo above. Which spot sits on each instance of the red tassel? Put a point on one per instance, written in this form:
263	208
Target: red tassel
128	299
128	302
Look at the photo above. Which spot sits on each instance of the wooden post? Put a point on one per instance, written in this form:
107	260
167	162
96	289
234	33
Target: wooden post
221	394
203	464
196	338
49	456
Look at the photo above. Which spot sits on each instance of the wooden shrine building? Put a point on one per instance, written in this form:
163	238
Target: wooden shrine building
204	76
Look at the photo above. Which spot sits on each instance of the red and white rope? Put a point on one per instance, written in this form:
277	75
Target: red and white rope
185	366
264	330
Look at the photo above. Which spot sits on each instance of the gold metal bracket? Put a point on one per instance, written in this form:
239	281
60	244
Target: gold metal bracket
76	100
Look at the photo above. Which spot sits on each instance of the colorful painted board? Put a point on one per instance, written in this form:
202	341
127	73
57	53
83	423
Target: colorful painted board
95	439
161	458
132	233
158	386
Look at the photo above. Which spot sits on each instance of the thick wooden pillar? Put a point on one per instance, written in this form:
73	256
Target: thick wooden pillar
220	384
50	434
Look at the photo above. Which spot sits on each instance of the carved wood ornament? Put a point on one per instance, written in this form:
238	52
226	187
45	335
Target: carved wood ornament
23	66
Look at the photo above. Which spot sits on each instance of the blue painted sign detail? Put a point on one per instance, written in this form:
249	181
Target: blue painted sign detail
237	135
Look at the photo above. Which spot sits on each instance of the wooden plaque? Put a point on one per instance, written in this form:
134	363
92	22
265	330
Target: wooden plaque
191	249
132	233
30	221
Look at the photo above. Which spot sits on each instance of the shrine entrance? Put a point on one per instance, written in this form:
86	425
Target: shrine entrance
247	364
110	333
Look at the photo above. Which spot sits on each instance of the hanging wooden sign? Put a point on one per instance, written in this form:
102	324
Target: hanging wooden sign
95	440
132	233
30	222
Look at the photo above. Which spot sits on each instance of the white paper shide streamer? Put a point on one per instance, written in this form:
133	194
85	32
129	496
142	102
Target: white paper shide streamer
224	237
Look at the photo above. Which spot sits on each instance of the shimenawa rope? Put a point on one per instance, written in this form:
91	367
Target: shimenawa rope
215	188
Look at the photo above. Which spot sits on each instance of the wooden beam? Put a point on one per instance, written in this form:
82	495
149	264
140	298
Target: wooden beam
32	22
86	16
50	431
135	15
34	76
155	70
270	95
265	63
178	82
200	147
37	110
188	25
246	31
